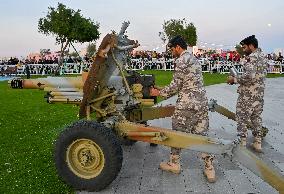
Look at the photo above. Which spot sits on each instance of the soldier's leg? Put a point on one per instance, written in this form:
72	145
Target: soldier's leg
201	119
256	120
201	127
209	170
197	122
179	123
173	164
243	112
256	123
185	121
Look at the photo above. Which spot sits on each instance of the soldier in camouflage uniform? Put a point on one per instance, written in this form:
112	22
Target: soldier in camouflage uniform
191	112
251	91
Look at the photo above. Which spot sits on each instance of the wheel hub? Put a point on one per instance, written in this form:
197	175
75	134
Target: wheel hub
85	158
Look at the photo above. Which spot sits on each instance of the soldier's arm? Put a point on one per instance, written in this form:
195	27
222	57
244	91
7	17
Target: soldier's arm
176	82
248	72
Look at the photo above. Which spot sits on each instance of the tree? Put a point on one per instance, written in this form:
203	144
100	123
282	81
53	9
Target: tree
74	54
68	26
175	27
44	52
91	49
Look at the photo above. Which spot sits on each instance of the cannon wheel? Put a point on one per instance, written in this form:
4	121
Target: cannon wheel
88	156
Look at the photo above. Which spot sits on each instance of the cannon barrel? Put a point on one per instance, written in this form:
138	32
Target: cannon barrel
53	82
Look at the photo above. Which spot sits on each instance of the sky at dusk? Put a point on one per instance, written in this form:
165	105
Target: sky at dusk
219	23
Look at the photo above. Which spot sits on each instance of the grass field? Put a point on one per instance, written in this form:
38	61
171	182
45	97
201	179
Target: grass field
164	77
29	126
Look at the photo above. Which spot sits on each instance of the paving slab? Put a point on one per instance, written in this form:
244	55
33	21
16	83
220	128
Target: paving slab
140	173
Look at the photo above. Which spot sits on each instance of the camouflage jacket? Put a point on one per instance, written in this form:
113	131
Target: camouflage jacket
254	73
188	83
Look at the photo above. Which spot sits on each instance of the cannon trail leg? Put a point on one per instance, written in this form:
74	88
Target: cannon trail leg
268	172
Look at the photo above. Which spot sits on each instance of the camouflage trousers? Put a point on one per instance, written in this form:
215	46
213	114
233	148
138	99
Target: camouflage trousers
248	111
190	121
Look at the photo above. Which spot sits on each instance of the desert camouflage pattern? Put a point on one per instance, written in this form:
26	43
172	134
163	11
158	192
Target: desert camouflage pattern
251	91
191	113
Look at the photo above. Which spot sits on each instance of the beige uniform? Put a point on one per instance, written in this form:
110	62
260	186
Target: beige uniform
191	113
251	91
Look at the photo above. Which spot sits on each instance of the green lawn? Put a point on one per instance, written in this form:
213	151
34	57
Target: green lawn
274	75
29	126
164	77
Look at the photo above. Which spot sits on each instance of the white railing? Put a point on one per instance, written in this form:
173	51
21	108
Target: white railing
48	69
156	64
207	66
137	64
168	65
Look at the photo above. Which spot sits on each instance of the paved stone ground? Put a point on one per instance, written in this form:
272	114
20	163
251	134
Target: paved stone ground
140	173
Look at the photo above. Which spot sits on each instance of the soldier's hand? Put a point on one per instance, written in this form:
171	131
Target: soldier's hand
154	92
231	80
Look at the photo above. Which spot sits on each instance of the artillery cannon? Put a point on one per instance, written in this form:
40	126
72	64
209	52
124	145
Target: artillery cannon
114	107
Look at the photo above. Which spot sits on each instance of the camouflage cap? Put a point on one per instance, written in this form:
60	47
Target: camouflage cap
177	40
248	40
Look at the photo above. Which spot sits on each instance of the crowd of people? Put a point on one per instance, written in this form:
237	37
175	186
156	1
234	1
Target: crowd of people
149	55
229	56
211	61
277	58
232	56
10	61
214	61
43	66
43	60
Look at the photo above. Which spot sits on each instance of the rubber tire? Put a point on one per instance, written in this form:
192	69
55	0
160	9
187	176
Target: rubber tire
108	142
